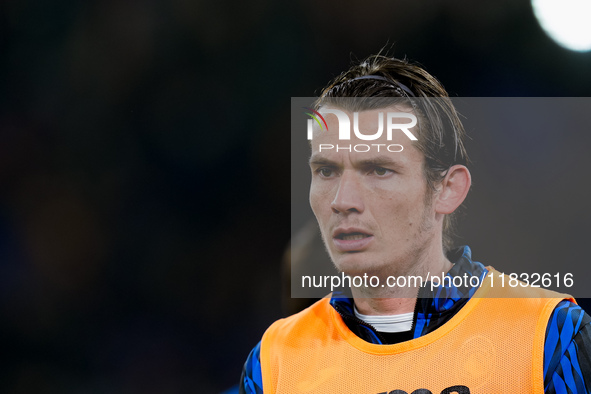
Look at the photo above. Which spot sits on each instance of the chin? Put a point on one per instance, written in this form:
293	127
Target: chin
357	264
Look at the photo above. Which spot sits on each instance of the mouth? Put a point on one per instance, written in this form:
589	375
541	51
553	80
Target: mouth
351	240
352	236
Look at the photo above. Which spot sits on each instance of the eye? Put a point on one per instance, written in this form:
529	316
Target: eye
379	171
325	172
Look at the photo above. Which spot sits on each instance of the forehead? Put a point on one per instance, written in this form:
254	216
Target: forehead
369	135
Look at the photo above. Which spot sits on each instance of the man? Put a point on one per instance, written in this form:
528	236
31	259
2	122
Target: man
384	203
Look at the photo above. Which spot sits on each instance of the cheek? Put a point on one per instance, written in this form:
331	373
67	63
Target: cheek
398	212
319	198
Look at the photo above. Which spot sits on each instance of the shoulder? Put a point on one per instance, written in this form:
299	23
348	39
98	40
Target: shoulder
251	381
568	318
567	348
281	333
278	334
316	314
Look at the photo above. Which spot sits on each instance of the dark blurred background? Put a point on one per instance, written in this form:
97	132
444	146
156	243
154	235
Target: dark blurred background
144	161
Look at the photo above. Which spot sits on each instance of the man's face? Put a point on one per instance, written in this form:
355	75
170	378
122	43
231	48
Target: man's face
373	208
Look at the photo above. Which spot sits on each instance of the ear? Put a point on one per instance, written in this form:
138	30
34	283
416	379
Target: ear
453	189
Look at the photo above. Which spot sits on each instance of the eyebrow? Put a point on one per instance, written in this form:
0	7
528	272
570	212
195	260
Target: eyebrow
318	159
379	161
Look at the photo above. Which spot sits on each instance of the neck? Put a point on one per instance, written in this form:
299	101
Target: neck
385	306
396	300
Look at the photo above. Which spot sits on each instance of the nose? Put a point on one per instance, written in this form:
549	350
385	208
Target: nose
349	196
